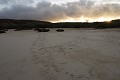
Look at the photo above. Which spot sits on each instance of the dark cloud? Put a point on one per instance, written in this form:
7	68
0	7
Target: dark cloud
53	12
4	1
14	2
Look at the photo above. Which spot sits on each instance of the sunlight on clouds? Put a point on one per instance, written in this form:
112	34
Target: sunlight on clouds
61	10
85	19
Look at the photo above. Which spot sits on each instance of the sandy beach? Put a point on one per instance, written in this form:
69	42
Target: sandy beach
75	54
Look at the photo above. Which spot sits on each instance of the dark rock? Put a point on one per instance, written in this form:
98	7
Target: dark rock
2	31
43	30
60	30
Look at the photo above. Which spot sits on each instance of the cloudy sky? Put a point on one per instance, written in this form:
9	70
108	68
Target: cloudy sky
61	10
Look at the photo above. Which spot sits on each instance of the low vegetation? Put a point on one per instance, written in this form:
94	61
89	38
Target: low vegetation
32	24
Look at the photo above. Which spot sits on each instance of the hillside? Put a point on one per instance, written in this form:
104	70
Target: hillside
12	23
29	24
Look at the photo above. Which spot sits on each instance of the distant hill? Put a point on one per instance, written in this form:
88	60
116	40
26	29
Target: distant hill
21	21
30	24
12	23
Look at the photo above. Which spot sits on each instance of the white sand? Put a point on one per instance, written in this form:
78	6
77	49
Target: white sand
71	55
